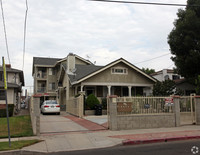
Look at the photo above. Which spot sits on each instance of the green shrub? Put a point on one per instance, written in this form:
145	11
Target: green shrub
104	103
10	111
91	101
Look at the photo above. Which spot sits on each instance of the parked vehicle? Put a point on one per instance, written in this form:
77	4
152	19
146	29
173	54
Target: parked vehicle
50	106
23	105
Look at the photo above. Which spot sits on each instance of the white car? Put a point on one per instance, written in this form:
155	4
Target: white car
50	106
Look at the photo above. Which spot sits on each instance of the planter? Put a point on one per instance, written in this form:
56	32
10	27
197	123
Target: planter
89	112
92	112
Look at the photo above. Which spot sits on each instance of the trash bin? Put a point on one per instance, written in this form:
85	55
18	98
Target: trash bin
98	109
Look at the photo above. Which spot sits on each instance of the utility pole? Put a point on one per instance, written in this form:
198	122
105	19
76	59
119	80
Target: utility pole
5	89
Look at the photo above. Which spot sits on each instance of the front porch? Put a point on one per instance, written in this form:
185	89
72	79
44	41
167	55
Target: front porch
102	91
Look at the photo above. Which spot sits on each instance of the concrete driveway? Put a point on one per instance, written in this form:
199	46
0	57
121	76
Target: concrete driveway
58	123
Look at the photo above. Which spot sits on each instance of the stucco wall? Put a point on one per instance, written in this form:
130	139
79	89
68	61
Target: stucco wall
145	121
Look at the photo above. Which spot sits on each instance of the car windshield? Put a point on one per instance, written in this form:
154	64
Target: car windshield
51	102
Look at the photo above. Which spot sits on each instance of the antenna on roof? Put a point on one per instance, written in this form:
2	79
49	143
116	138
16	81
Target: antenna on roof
87	56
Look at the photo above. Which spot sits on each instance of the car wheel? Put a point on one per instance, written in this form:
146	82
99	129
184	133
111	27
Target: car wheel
58	113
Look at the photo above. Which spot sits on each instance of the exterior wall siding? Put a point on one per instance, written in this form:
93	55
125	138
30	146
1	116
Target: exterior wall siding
131	77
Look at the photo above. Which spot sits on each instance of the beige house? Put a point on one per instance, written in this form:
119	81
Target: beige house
62	79
15	81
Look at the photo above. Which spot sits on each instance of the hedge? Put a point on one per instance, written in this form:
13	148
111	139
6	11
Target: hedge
91	101
10	111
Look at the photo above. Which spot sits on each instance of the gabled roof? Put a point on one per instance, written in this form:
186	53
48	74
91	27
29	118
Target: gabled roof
86	61
12	70
83	71
93	70
45	61
10	85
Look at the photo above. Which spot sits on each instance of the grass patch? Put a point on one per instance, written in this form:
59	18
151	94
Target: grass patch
4	146
20	126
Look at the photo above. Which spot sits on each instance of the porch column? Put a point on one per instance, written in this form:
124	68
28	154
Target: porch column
109	90
129	90
81	88
76	90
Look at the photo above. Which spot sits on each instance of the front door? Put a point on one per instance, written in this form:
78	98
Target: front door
117	90
90	90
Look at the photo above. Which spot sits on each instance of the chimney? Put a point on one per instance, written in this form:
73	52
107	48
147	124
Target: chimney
8	65
70	63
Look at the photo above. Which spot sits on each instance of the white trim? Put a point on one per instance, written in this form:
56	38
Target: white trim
115	84
44	66
123	68
112	64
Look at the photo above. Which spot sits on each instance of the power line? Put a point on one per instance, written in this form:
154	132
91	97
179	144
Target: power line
144	3
152	58
25	21
4	25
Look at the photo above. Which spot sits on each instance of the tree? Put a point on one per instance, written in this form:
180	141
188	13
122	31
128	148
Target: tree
164	88
148	71
184	40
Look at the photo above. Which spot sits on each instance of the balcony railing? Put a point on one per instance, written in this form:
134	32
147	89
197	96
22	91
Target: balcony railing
41	89
41	75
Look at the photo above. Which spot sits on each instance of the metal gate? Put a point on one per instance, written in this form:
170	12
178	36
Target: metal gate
187	110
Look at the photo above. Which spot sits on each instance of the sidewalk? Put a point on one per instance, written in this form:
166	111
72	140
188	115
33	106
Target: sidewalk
95	136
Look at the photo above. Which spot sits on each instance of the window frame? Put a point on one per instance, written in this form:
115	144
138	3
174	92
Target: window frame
123	69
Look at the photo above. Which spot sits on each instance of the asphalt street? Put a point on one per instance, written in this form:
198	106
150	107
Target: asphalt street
187	147
167	148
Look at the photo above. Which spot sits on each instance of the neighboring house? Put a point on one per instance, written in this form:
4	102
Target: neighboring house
62	79
181	83
166	74
15	81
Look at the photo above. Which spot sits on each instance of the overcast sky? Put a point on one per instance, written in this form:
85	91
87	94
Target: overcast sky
103	31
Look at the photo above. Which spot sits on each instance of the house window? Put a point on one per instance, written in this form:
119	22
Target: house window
1	76
51	71
2	95
119	71
175	77
52	86
166	77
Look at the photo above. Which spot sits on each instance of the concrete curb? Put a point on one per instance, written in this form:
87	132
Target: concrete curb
157	140
21	152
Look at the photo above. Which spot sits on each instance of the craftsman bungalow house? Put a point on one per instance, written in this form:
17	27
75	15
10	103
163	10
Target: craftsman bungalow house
62	79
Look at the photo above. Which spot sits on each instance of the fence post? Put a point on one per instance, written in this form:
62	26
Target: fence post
81	104
197	109
36	108
112	113
177	110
